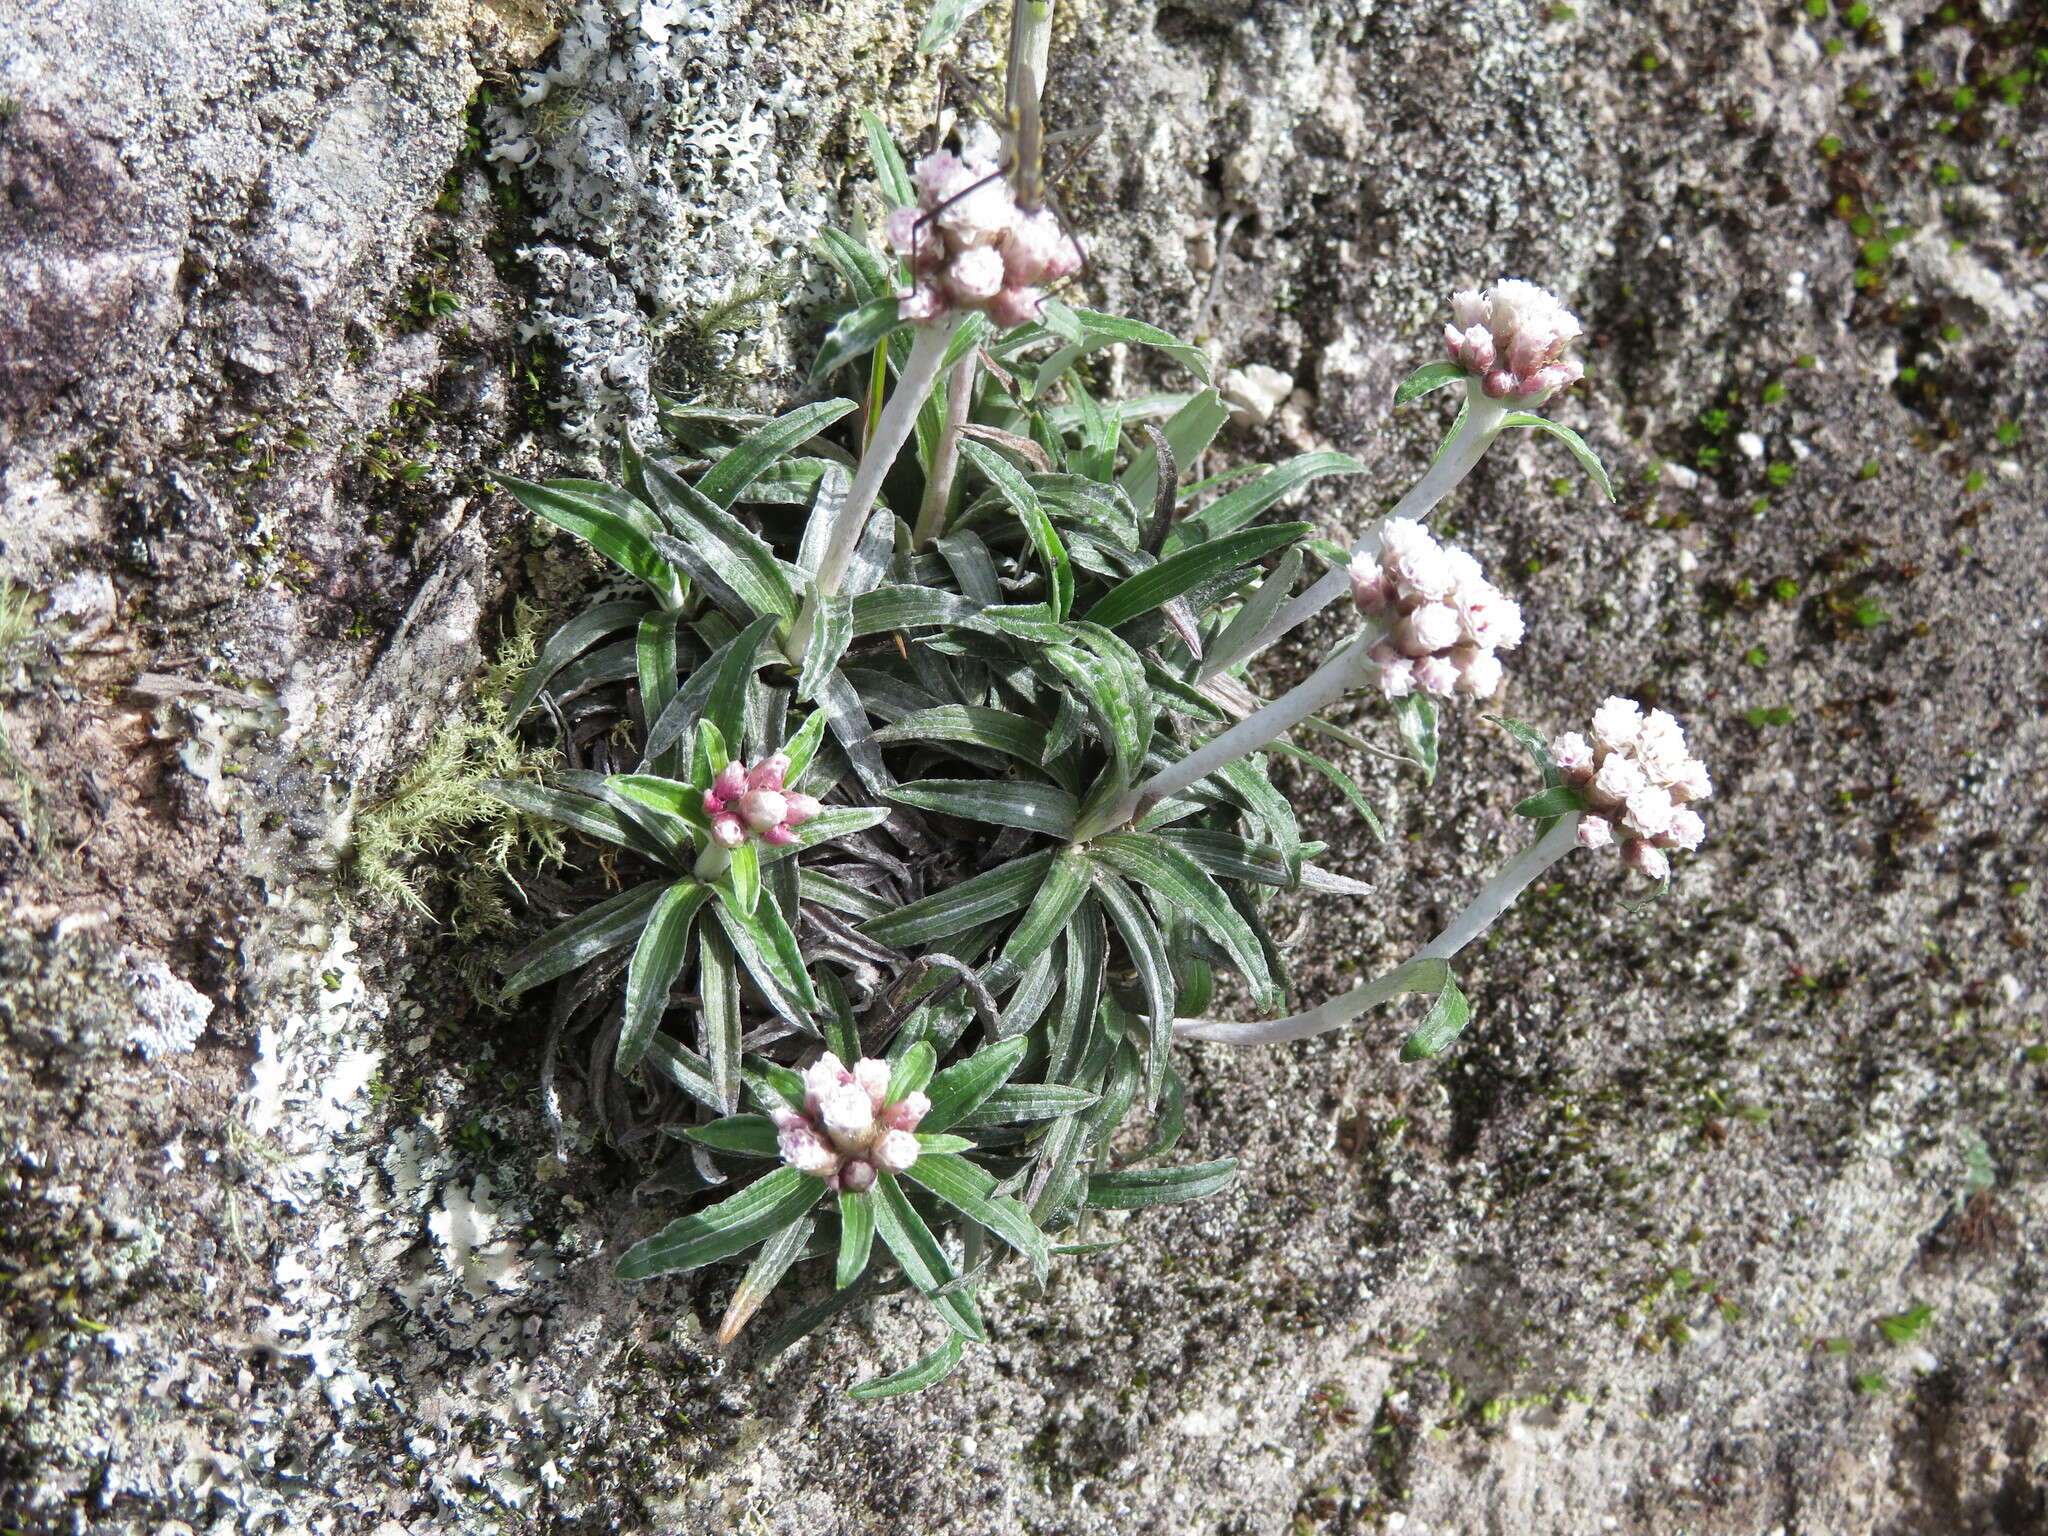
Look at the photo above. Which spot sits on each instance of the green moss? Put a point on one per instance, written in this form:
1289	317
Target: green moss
442	806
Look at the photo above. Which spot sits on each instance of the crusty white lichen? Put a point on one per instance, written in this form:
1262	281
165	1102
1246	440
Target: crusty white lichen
649	147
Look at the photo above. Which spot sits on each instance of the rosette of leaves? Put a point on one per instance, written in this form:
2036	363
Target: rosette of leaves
960	710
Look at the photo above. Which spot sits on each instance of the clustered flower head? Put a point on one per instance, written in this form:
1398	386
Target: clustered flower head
747	802
971	247
847	1130
1512	338
1641	781
1444	619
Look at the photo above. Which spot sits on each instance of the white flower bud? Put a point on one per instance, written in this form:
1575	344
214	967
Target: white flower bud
1689	781
1369	588
762	809
976	274
1479	672
872	1073
1573	755
1595	832
1616	724
857	1175
1647	859
1397	677
1686	829
1660	746
728	831
848	1116
821	1077
806	1151
906	1113
1437	675
895	1151
1616	779
1425	630
1649	811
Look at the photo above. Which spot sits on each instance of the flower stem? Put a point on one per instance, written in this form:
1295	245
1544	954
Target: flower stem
1494	898
938	484
1466	445
714	861
892	428
1346	668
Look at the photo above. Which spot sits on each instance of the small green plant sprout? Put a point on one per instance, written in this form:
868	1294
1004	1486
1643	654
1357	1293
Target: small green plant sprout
929	788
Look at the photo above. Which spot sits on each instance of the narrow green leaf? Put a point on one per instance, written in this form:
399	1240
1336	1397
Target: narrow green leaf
997	729
1430	376
971	1191
1445	1021
608	520
929	1371
741	882
719	1021
1178	883
741	1135
686	1069
1183	572
1014	1103
1347	786
998	893
1136	1189
1066	883
1189	431
858	332
1589	461
1415	719
592	818
724	481
770	953
865	273
1097	330
1146	947
923	1261
735	1224
657	961
831	633
726	705
1236	508
940	27
890	172
1031	807
959	1090
908	607
911	1073
803	746
565	645
1045	539
1558	800
763	1275
1259	609
856	1236
584	937
717	547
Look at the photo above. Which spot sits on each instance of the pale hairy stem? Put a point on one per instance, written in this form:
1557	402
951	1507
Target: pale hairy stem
1030	48
1494	898
1345	670
1467	446
892	430
938	485
714	861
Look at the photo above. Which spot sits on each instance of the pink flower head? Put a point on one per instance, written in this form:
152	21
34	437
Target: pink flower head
1639	777
971	247
780	836
847	1128
731	781
1444	620
769	772
728	831
748	802
1513	338
800	808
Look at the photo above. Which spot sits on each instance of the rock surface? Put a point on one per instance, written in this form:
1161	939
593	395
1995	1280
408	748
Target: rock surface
1643	1254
